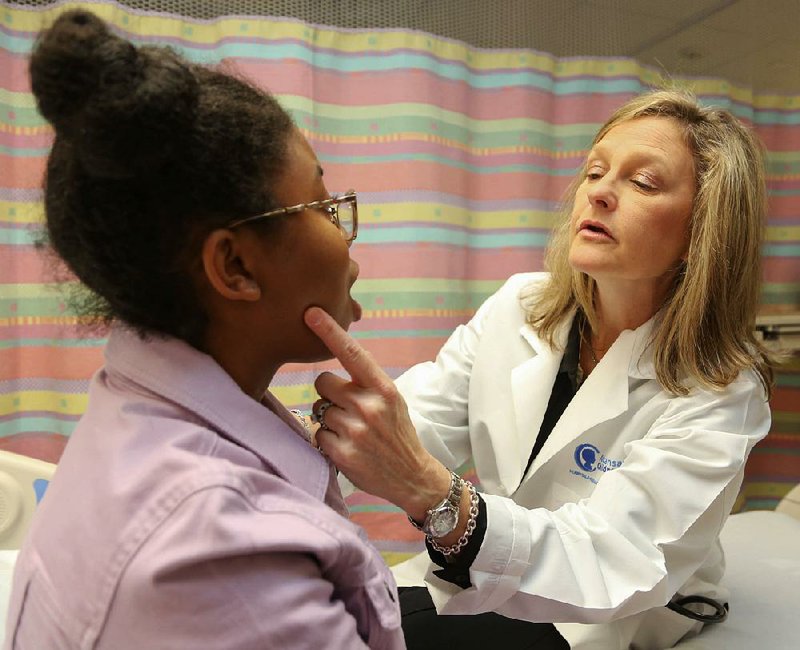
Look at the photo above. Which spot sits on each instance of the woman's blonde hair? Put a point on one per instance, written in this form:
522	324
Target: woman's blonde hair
705	328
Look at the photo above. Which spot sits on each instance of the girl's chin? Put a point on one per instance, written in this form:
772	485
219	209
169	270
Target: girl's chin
349	315
356	310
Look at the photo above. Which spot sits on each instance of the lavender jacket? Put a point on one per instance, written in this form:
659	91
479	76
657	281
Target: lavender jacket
184	514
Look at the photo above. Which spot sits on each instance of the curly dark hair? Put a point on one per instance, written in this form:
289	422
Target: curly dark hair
151	153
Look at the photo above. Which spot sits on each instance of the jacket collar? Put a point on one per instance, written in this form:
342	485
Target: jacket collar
641	364
603	396
531	386
176	371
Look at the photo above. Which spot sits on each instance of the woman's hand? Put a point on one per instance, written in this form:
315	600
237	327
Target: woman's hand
367	432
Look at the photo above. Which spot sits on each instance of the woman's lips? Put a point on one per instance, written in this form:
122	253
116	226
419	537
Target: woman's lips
594	230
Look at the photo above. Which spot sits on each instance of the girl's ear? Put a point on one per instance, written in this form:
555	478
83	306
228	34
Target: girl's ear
226	265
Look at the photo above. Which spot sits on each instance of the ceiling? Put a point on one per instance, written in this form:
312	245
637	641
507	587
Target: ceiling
755	43
750	42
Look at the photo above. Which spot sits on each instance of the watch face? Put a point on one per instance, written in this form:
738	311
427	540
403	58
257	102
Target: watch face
443	522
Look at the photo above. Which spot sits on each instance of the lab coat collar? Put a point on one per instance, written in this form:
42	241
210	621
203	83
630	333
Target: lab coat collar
539	346
172	369
603	396
531	385
641	364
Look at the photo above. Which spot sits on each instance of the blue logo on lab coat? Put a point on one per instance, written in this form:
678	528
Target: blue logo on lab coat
586	457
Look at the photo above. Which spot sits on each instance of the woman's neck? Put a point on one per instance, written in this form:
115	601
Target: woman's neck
623	307
618	307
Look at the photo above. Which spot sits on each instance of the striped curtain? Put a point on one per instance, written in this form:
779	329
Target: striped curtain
459	156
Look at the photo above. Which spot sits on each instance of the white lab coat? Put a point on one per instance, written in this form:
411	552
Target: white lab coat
622	507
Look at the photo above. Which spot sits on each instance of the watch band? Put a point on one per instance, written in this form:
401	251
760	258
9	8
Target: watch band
472	524
443	517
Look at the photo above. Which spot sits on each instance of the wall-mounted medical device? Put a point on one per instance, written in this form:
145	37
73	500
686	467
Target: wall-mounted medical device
780	332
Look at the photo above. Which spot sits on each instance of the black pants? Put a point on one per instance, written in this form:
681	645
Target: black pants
424	629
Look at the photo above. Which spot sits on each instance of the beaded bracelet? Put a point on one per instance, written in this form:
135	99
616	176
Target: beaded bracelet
471	523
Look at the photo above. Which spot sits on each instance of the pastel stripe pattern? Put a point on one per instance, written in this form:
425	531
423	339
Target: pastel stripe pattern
460	156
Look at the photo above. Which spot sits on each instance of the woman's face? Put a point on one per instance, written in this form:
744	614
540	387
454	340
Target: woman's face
308	263
630	220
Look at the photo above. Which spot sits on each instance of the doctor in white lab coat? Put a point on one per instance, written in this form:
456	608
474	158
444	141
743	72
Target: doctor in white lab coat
609	406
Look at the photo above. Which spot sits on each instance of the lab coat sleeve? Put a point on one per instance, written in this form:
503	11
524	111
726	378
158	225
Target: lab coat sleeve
645	529
437	392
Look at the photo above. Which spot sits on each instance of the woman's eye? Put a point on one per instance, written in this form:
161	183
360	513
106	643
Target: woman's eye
593	175
642	185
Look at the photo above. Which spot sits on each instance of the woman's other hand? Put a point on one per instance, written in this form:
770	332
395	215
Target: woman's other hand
367	432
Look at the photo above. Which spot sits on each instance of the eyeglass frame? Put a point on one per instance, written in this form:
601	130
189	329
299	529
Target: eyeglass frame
334	201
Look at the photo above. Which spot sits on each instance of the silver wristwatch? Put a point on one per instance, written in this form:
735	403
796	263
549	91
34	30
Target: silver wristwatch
442	519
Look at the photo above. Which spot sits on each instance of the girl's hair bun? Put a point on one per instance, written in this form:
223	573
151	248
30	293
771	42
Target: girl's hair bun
122	108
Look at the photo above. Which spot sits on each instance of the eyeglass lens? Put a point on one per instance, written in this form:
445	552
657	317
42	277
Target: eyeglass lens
345	216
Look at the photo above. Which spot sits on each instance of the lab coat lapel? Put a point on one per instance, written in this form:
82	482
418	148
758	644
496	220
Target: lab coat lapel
602	397
531	385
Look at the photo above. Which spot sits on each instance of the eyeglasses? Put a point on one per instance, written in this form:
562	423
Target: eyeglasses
342	210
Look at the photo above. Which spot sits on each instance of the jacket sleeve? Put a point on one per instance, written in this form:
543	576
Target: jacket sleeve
224	571
645	529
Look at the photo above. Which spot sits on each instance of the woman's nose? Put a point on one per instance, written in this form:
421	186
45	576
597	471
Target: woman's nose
601	195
